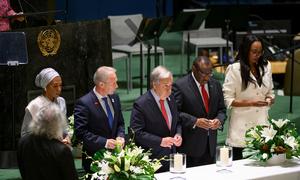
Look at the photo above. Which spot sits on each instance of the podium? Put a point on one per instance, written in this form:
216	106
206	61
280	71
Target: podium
187	21
150	28
13	52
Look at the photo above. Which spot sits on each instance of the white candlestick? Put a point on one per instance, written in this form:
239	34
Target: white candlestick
178	162
224	156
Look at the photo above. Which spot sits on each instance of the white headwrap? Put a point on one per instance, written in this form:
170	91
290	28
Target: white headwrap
45	77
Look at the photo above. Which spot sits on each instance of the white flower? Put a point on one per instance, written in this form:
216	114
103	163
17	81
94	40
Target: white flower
156	165
272	149
290	141
107	155
254	134
268	133
126	164
136	170
265	156
134	152
105	169
280	122
146	158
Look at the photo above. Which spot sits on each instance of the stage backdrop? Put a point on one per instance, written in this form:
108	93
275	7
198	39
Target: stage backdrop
84	47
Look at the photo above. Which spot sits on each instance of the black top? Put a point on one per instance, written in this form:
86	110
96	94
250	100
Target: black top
41	158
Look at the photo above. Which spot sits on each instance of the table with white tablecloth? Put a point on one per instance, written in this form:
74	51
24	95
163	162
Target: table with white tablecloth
241	169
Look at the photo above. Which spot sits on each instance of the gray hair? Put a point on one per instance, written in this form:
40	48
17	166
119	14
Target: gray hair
160	72
102	74
50	122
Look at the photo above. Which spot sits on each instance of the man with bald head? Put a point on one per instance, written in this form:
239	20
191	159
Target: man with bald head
202	110
98	118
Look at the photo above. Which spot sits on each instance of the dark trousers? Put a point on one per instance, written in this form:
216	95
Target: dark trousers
237	153
205	159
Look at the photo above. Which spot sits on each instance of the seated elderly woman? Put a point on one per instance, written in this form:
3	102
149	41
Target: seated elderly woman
51	82
41	154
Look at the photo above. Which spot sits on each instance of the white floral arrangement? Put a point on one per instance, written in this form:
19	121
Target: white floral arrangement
71	134
120	164
280	136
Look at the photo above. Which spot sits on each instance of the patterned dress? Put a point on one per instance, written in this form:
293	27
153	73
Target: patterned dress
5	10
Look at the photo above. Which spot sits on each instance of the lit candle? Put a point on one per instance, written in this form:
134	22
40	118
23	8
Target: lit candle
178	162
224	156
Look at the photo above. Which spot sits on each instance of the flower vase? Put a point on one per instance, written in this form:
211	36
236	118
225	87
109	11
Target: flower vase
277	159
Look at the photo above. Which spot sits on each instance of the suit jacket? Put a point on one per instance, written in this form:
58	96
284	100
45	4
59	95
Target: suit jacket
92	126
191	107
41	158
150	126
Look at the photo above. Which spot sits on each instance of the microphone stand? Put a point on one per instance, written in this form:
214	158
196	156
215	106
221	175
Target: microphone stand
292	70
227	21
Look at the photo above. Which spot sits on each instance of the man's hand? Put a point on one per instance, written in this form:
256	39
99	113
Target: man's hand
203	123
167	142
215	124
110	144
177	140
120	140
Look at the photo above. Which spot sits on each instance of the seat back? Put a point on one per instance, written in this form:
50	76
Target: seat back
121	34
202	26
203	33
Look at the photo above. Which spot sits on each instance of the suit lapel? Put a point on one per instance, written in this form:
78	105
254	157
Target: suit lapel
196	92
99	108
172	109
157	110
211	95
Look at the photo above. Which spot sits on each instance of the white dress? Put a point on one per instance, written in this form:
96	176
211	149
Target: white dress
33	108
243	118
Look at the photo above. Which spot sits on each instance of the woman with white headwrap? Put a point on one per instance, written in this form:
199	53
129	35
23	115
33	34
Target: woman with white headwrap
51	82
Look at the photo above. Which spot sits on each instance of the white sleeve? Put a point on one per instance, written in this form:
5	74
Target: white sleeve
229	85
270	81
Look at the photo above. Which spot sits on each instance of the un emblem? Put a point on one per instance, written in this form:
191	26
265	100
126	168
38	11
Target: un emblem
48	42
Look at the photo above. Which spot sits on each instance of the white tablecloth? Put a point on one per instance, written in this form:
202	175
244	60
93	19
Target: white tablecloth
241	169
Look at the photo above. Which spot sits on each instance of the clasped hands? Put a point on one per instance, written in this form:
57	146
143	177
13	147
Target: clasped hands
112	143
208	123
268	102
170	141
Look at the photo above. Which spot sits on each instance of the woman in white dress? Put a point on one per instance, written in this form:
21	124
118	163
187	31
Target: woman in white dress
248	92
51	82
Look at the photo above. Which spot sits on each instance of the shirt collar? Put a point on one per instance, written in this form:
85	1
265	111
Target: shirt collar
99	96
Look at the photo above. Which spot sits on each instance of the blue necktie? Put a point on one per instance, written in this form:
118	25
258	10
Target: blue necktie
109	114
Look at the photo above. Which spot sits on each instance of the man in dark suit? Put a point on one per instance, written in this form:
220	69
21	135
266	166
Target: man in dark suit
98	118
41	153
202	111
155	119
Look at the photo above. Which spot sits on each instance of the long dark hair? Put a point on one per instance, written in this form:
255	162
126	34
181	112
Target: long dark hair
243	57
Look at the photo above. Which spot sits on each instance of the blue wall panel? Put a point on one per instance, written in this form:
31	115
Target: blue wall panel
79	10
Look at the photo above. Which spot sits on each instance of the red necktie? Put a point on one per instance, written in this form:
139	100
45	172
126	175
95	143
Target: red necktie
205	97
164	112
